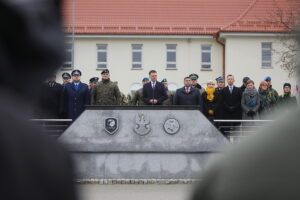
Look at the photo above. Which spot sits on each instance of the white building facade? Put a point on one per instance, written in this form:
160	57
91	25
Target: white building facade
130	58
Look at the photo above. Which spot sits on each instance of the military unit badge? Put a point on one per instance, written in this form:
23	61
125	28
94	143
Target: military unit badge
171	126
111	125
142	126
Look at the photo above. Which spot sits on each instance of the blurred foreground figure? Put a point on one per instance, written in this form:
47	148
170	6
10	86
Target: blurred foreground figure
50	99
264	167
32	166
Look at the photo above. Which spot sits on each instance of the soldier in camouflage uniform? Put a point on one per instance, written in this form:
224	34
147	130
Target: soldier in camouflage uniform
287	102
105	92
273	94
129	99
137	97
169	100
194	78
124	100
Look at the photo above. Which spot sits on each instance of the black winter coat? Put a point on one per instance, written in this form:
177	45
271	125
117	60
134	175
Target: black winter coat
210	105
231	103
50	100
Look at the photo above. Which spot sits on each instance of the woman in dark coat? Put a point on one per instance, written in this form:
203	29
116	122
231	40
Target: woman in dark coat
210	101
250	102
265	98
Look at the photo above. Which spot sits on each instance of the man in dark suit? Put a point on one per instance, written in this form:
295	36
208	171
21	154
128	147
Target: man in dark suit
231	99
231	102
188	95
154	92
75	96
50	98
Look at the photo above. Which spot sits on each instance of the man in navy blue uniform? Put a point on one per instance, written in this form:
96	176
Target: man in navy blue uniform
154	92
75	96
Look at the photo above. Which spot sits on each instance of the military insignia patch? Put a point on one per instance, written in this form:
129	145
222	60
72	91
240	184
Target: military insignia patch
171	126
111	125
142	126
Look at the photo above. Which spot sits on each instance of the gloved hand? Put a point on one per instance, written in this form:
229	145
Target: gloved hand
210	112
231	108
250	113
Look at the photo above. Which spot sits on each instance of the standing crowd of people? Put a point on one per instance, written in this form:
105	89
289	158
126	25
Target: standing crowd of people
215	101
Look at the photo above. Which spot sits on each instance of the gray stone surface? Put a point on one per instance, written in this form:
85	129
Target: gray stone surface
139	165
128	155
135	192
196	134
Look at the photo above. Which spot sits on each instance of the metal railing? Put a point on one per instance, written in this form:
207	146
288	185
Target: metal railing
52	127
235	130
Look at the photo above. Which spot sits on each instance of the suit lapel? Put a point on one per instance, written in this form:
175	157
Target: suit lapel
234	90
183	90
73	86
150	86
79	86
227	90
155	87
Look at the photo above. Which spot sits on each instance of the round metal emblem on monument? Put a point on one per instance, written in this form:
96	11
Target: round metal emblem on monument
171	126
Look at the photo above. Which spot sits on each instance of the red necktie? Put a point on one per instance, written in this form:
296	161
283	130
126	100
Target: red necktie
187	90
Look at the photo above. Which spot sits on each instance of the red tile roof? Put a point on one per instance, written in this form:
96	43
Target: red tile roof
174	17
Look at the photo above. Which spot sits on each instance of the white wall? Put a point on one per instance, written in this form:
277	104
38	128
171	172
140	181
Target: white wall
154	57
243	58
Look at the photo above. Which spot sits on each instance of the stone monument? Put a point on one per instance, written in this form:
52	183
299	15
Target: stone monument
145	142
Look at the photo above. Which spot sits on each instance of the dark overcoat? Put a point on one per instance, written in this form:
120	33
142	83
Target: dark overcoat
231	103
74	100
49	100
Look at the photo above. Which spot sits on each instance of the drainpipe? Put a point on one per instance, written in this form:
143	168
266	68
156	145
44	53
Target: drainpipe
73	30
217	36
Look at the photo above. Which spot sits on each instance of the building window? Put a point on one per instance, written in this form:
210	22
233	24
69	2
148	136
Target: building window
68	56
266	54
206	56
171	56
136	56
101	56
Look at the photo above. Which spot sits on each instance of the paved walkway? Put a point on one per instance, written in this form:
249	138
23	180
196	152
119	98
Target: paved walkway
135	192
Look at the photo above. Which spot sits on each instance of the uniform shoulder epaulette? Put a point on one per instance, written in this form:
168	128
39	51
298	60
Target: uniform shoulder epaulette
115	83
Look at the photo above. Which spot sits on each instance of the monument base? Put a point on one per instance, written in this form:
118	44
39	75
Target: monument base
145	143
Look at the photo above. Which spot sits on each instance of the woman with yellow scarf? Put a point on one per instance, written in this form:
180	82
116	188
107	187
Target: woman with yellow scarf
210	100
